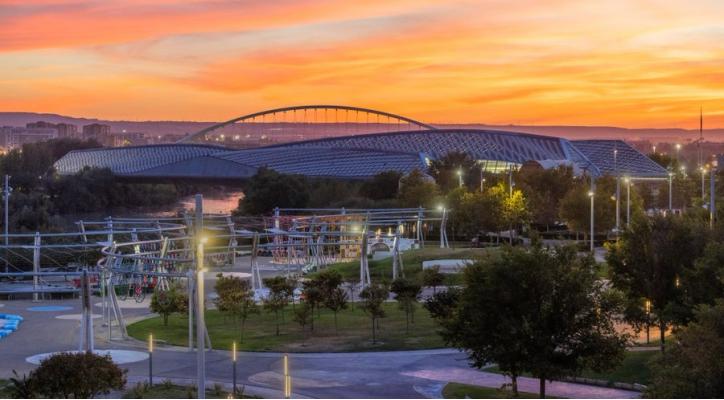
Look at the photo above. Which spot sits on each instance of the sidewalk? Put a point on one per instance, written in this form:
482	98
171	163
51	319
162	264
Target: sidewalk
553	388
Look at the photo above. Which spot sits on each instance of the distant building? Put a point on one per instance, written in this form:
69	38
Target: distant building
123	139
99	132
13	137
64	130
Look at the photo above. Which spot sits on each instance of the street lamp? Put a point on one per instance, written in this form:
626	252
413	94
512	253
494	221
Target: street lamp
703	190
482	180
591	194
678	147
618	191
627	180
671	177
460	177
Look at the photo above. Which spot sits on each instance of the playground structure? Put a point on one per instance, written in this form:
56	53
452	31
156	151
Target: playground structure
123	258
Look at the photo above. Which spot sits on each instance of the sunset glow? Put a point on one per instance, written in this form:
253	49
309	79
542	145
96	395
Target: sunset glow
630	63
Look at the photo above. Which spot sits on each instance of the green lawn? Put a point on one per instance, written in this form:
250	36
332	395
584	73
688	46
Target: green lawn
5	392
381	270
634	369
461	391
354	334
168	390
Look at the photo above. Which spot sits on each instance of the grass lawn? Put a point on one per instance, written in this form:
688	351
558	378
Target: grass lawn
381	270
354	334
168	390
461	391
633	369
5	391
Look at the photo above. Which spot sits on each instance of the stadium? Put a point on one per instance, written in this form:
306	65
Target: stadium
351	143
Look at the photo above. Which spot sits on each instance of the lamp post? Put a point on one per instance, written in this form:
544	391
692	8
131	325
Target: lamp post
618	191
671	178
287	379
233	359
460	178
628	201
150	360
510	181
482	180
648	318
591	194
678	148
703	190
6	197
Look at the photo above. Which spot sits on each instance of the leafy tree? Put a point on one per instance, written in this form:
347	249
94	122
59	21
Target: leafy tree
407	293
236	298
167	302
336	300
443	305
373	297
647	263
515	211
473	212
693	366
538	310
278	298
268	189
416	190
77	375
313	296
703	283
445	170
383	185
544	189
432	277
303	315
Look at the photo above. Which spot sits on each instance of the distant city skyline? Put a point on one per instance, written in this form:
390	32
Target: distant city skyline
633	64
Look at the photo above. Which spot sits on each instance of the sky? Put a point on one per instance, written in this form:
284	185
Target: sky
628	63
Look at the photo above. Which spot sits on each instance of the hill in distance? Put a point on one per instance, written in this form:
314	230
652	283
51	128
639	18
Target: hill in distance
178	128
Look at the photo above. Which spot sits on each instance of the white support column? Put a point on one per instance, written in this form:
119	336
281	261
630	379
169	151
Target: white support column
86	331
36	265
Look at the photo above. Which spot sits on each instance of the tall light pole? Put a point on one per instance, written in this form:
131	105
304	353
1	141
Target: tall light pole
6	196
678	148
200	306
628	201
460	178
703	190
592	195
482	180
671	179
712	196
618	191
510	181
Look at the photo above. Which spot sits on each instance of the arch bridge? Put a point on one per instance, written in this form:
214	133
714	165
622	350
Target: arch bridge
303	122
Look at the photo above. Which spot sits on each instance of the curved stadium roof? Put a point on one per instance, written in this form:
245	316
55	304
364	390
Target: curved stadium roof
363	156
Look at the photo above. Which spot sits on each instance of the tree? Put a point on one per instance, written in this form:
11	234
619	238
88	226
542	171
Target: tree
544	189
167	302
383	185
373	297
432	277
445	170
647	264
407	293
303	315
313	296
268	189
703	283
336	300
78	375
515	211
693	366
538	310
236	298
416	190
277	298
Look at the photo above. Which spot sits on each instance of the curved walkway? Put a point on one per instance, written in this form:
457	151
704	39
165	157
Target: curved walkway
398	374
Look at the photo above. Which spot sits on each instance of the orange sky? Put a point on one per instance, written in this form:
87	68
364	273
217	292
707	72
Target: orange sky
630	63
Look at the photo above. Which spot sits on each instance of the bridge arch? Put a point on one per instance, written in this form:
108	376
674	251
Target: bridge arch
380	118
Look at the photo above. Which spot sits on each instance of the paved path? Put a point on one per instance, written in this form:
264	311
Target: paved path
409	374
